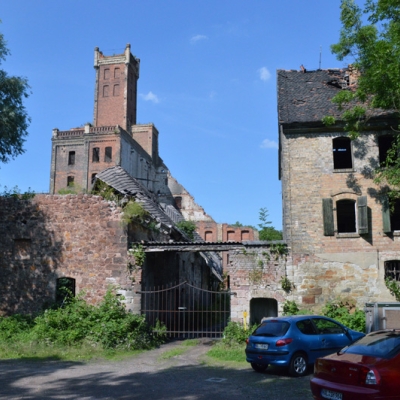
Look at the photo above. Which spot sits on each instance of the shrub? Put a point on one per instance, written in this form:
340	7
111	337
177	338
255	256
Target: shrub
235	333
346	313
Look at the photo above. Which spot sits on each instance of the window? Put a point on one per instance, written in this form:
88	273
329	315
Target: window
351	216
108	154
105	91
93	178
65	289
324	326
392	270
385	143
178	202
391	215
117	72
307	327
245	235
96	154
71	158
230	235
116	90
107	73
342	158
346	216
70	181
208	236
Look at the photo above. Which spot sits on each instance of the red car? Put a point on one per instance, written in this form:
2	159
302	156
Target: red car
367	369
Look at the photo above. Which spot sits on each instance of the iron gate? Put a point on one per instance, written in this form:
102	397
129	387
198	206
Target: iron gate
187	311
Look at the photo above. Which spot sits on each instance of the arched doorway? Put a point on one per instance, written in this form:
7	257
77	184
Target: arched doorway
261	307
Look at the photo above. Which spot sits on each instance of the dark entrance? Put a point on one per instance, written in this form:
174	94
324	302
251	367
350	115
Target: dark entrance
262	307
187	311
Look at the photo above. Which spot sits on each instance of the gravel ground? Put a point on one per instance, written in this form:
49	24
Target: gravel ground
147	376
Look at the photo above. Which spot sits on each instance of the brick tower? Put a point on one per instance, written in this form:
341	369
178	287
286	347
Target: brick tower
116	89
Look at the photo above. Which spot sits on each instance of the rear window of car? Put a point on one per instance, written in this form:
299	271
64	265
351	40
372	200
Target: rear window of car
380	344
272	328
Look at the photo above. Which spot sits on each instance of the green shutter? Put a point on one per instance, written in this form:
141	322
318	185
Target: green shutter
362	215
327	212
386	215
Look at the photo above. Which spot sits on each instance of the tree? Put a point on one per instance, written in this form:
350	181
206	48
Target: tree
14	120
373	45
267	232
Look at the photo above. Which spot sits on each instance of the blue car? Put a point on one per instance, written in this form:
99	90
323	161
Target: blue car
296	341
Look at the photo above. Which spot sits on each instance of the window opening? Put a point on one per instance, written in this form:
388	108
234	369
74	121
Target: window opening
385	143
346	216
107	73
342	153
117	72
70	181
96	154
392	270
395	216
65	289
245	235
93	178
178	202
231	235
116	90
108	154
105	91
71	158
208	236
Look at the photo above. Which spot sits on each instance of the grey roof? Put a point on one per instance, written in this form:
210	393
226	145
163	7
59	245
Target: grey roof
121	181
305	97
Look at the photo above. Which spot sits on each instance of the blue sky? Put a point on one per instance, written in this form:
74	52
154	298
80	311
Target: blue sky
207	82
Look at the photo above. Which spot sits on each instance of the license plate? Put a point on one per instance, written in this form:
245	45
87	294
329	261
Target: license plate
261	346
328	394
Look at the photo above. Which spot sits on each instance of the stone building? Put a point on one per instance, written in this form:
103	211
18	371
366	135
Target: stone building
343	238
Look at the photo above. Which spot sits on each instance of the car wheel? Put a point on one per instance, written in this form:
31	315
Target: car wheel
259	367
298	365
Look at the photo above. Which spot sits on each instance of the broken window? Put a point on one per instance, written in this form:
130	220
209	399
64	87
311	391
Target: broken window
70	181
96	154
342	158
108	154
71	158
391	215
65	289
106	91
392	270
22	249
385	143
178	202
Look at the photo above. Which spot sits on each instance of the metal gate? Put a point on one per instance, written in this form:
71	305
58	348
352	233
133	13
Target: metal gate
187	311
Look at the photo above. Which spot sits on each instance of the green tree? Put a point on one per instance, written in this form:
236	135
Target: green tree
266	231
370	39
14	120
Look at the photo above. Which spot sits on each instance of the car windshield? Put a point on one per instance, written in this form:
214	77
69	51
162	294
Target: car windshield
379	344
272	328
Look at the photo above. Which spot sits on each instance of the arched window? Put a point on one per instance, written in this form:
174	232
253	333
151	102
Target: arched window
346	216
342	158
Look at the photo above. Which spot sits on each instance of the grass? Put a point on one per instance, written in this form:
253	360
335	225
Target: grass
177	351
230	353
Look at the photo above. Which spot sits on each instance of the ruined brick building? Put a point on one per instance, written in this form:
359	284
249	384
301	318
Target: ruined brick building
344	240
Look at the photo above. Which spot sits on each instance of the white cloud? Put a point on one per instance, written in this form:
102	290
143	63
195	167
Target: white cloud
196	38
150	97
264	74
269	144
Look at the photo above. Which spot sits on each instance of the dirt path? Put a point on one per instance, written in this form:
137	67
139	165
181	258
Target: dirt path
147	376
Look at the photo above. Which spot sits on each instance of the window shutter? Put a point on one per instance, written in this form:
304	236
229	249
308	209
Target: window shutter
327	213
362	215
386	215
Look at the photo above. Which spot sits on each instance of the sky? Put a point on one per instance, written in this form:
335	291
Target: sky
207	82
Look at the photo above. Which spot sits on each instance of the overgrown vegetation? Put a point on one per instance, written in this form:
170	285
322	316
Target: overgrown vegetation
134	211
188	227
139	254
104	328
15	193
393	287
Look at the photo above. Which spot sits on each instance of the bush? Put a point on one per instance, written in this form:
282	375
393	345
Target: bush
346	313
235	333
15	327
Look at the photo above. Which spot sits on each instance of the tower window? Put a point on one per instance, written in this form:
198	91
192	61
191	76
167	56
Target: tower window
105	91
96	154
117	72
107	73
342	153
116	90
108	154
71	158
70	181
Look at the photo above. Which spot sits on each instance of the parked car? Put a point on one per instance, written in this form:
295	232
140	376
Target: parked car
296	342
367	369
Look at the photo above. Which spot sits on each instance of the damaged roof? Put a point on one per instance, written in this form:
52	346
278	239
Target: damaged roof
306	97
